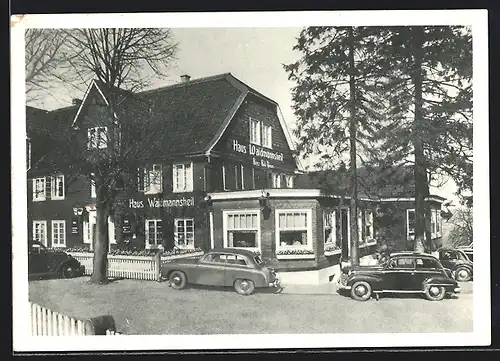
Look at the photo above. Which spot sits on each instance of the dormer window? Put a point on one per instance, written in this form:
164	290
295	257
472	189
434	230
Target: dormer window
267	136
254	131
97	138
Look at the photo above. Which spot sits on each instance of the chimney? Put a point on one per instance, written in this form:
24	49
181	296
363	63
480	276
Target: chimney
185	78
76	101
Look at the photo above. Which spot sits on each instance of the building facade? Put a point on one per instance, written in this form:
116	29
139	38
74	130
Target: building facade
228	176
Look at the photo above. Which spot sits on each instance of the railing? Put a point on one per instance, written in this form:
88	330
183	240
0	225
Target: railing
45	322
133	267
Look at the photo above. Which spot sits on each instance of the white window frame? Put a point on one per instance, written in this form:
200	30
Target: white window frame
188	178
267	136
255	131
433	222
289	181
408	223
242	176
93	191
308	229
147	242
176	233
54	187
439	224
360	225
225	229
369	220
276	177
148	173
53	225
43	195
224	182
97	137
332	215
44	224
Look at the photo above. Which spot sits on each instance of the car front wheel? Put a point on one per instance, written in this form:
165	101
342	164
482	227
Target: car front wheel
361	291
462	275
244	287
178	280
435	293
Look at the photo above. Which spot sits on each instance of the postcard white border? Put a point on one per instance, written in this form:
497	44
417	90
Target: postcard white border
480	336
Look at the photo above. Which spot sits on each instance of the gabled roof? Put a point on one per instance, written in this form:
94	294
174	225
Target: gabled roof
192	116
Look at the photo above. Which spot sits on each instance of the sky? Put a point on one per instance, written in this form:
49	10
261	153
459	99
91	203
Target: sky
254	55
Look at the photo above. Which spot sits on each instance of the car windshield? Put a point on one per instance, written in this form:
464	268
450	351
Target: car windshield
462	256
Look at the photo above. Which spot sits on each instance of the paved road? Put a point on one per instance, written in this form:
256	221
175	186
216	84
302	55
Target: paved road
154	308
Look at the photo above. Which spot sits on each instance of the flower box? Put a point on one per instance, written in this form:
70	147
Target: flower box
332	252
295	256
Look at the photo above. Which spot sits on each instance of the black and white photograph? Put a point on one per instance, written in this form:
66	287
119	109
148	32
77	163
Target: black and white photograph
250	180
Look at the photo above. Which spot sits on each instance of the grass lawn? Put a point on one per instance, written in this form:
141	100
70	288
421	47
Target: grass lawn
145	307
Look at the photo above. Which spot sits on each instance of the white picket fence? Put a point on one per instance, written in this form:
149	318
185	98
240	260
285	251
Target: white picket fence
133	267
45	322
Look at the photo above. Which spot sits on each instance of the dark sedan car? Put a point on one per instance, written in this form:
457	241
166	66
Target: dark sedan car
43	262
458	262
469	251
404	272
241	269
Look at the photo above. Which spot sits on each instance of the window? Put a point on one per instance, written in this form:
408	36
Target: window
242	177
427	263
360	226
58	234
253	178
254	131
40	232
267	133
183	177
184	233
93	193
329	225
97	138
242	229
224	183
28	153
293	229
276	180
289	181
438	223
410	224
368	224
39	189
150	179
406	263
154	235
57	187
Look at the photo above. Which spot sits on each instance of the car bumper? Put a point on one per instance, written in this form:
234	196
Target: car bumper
457	290
80	271
341	286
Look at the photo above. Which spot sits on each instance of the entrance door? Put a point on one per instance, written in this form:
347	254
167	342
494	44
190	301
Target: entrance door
344	232
89	229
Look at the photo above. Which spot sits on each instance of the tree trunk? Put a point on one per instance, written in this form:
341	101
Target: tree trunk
101	241
352	154
420	169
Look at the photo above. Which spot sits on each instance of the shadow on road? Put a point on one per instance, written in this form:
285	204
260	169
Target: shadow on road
346	293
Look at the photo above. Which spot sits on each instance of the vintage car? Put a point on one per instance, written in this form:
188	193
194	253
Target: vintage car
229	267
469	251
458	262
43	262
403	272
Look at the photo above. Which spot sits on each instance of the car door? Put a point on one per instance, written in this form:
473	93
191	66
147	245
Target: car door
210	269
237	266
398	274
425	268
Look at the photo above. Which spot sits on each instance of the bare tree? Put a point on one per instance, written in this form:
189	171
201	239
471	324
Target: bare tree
44	60
123	61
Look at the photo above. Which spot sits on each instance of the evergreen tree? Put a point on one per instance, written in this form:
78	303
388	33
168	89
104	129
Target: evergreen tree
335	102
428	85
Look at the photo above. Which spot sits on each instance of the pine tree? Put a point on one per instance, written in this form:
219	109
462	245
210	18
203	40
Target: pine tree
429	123
335	102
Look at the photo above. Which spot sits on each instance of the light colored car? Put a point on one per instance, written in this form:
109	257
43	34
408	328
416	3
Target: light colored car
225	267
